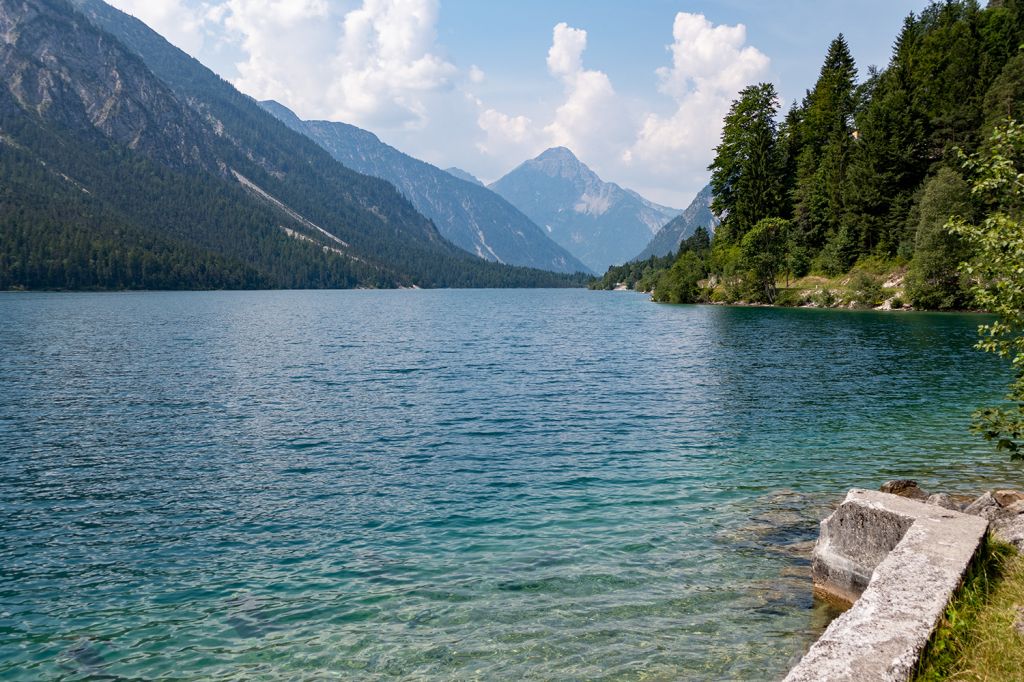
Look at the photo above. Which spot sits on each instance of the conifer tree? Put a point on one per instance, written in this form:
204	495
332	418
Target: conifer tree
746	178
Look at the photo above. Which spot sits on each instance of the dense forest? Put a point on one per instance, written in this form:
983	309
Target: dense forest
859	179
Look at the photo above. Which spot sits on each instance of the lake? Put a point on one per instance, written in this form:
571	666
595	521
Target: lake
449	484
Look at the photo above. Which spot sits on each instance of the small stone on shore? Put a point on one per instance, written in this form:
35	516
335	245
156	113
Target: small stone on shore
985	507
904	488
943	500
1006	498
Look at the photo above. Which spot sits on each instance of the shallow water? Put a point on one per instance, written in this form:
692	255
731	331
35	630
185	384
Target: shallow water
448	484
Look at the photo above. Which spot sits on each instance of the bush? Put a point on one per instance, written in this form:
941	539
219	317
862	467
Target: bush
764	257
866	289
824	298
933	281
788	298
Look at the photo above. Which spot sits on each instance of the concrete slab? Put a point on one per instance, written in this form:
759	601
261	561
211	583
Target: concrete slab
899	561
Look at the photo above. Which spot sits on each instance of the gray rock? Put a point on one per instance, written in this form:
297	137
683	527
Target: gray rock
904	488
1008	525
1005	498
1018	624
985	507
882	636
943	500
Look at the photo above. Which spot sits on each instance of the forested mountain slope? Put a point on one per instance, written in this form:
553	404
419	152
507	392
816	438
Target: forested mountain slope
470	216
136	168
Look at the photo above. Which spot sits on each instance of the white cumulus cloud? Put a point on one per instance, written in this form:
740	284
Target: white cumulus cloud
710	65
371	65
183	24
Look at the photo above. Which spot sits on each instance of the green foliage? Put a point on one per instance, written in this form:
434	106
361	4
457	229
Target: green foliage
764	257
866	289
681	282
997	271
826	139
851	166
933	281
788	298
824	298
746	176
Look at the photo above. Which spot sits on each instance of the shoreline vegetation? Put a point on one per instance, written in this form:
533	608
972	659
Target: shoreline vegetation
864	193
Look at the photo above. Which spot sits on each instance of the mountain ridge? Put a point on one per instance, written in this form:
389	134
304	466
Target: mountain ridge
599	222
134	166
469	215
672	234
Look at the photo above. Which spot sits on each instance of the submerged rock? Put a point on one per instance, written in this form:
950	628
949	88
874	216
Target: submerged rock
904	488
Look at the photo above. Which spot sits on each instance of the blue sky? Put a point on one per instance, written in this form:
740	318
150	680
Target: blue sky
636	89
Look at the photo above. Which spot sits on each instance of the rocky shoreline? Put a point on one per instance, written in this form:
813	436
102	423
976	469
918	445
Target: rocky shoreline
1003	509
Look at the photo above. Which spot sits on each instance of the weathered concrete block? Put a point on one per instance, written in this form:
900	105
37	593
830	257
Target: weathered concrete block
851	543
914	555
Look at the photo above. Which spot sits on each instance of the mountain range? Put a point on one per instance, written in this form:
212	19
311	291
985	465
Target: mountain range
466	213
599	222
671	236
125	163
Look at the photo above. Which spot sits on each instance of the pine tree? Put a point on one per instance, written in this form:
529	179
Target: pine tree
746	178
826	139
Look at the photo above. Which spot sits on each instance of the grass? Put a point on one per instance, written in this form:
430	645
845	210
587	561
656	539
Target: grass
976	639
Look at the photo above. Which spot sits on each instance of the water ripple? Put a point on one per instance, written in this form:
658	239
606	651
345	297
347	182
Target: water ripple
460	484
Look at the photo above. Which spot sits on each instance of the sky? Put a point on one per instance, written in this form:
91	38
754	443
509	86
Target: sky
636	89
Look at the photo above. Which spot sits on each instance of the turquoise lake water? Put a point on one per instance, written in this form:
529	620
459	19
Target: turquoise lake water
448	484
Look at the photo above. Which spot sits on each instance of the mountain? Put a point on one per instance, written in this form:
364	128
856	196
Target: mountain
598	222
463	175
471	217
669	237
124	163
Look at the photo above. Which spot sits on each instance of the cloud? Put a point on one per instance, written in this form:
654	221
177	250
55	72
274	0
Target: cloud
183	25
371	65
710	65
590	119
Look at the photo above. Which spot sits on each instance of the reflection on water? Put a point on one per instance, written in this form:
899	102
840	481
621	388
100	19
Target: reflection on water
454	484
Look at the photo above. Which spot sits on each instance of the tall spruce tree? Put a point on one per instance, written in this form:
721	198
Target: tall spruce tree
826	137
746	175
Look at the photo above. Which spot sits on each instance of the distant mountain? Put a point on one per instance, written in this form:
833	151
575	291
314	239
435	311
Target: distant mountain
124	163
470	216
669	237
464	175
599	222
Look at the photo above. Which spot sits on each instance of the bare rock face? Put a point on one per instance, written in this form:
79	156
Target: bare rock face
943	500
985	506
904	488
1006	498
